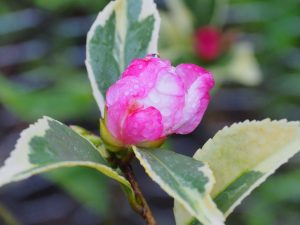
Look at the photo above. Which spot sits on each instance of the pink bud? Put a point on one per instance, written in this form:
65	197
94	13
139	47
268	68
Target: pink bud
208	43
152	99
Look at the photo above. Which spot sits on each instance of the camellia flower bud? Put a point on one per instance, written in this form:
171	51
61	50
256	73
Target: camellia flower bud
208	43
153	99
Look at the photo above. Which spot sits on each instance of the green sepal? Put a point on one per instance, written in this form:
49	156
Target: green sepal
152	144
111	143
115	145
94	139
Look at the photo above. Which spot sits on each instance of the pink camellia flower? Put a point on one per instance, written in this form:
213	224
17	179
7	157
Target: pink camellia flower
208	43
153	99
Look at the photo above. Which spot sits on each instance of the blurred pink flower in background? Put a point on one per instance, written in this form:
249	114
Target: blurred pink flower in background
153	99
208	43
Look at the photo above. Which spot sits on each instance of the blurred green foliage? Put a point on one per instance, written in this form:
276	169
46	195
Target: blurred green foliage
44	42
202	11
42	73
69	97
59	6
274	27
275	202
49	78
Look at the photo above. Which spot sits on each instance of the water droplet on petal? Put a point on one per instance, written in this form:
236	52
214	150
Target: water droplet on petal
155	55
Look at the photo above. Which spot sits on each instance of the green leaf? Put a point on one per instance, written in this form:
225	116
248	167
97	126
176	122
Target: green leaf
124	30
244	155
48	145
187	180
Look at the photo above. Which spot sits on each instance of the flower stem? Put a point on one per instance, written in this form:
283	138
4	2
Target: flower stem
144	209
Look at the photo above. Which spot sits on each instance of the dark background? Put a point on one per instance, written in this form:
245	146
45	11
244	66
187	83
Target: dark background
42	52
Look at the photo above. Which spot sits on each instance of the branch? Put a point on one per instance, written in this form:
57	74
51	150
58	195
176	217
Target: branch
142	209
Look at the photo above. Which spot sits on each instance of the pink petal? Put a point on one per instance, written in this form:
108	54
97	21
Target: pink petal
120	97
153	99
208	42
135	68
168	97
190	72
115	115
143	125
146	70
136	82
147	64
196	102
124	90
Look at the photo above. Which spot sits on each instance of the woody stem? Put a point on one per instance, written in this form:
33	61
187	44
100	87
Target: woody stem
143	209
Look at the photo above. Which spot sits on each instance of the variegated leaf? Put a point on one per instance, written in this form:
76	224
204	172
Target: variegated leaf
124	30
243	156
48	145
187	180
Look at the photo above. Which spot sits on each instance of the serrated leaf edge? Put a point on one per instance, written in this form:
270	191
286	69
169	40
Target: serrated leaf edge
100	20
17	165
216	219
262	166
